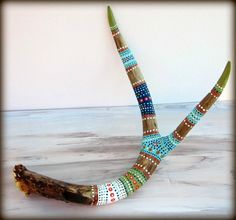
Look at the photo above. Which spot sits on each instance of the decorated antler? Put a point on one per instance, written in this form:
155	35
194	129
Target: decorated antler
136	78
154	146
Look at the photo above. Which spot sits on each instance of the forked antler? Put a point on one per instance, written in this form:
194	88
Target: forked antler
154	146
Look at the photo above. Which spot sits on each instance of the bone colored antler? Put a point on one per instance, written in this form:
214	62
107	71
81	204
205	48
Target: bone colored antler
154	146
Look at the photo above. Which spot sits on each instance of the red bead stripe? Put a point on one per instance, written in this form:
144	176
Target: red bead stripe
150	132
141	169
201	109
138	84
188	122
123	49
176	136
150	156
215	92
115	31
149	116
130	68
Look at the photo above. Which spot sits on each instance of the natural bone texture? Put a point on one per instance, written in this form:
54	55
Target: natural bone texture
154	146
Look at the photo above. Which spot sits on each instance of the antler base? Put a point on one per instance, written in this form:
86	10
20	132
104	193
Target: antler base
31	182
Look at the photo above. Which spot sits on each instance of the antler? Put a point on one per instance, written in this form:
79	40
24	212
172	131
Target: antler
154	147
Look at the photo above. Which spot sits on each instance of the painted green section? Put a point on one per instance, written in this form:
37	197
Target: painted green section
111	18
138	175
218	88
127	184
225	75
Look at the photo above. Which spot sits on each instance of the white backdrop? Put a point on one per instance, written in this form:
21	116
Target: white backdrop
60	55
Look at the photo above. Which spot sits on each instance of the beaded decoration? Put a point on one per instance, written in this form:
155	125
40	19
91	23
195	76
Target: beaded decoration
154	146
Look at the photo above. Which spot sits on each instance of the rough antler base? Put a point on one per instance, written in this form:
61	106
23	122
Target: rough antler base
31	182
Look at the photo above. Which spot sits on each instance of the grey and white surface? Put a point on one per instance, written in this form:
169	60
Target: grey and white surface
94	145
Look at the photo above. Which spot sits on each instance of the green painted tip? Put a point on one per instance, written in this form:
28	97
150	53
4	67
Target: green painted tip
225	75
111	19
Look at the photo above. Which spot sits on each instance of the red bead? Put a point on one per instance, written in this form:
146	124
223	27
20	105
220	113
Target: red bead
110	189
112	194
113	199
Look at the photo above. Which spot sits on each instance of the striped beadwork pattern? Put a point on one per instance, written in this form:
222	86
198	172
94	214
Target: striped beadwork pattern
216	91
128	59
138	83
111	192
196	114
144	100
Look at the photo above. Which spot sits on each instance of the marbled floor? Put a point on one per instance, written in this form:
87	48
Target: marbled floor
95	145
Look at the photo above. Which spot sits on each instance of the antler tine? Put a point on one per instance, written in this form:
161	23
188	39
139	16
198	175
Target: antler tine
136	78
200	110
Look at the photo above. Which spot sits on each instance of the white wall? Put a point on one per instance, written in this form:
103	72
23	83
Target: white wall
62	55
